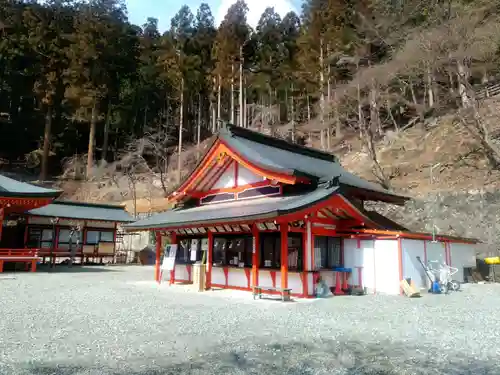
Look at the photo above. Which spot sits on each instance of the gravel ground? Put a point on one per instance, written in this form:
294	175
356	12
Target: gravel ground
114	320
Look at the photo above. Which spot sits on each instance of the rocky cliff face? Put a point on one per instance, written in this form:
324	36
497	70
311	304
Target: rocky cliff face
474	214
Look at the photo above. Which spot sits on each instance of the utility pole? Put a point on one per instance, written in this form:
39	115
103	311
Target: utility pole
433	203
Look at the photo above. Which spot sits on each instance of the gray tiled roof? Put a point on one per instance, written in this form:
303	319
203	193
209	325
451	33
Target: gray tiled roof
12	188
234	211
282	157
83	211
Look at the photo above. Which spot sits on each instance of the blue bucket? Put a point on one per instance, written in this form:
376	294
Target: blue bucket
436	289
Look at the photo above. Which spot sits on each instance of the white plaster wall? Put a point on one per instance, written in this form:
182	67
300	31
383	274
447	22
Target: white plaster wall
226	180
181	272
386	266
295	282
237	277
135	242
411	267
310	284
278	279
462	255
353	257
361	257
369	272
246	176
265	278
218	276
436	251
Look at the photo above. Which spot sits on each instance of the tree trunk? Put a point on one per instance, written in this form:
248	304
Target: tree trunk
218	99
462	88
308	109
338	128
451	82
198	127
413	96
366	136
46	144
245	114
292	113
213	108
181	128
322	94
240	104
232	94
106	136
389	111
329	100
430	86
374	120
90	153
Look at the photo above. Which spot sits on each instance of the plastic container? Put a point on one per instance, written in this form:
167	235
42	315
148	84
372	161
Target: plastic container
492	260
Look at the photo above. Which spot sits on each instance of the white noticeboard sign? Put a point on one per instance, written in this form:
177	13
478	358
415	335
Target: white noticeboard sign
194	249
169	258
204	244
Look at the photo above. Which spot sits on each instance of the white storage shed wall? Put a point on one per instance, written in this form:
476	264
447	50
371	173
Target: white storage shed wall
458	255
462	256
411	266
380	264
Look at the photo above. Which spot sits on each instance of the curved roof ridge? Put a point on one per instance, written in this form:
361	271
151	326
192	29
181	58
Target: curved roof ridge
233	130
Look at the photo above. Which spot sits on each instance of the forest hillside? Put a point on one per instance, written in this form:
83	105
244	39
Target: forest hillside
403	91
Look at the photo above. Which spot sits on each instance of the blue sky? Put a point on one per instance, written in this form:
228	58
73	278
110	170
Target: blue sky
164	10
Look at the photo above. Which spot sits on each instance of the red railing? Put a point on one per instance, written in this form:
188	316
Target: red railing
18	253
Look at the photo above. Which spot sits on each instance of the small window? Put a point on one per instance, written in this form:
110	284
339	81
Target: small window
219	253
233	250
185	250
67	236
94	237
40	238
327	253
295	252
107	237
271	251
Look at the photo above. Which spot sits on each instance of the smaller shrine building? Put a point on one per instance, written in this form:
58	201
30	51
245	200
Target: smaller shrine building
34	225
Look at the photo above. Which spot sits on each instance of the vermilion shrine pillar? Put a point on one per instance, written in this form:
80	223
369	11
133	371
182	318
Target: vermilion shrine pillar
255	255
284	255
210	252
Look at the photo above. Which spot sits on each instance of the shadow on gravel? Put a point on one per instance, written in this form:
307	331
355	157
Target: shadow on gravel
62	268
295	358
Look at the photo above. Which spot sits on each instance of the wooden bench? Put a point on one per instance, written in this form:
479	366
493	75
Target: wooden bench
260	290
59	253
28	256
